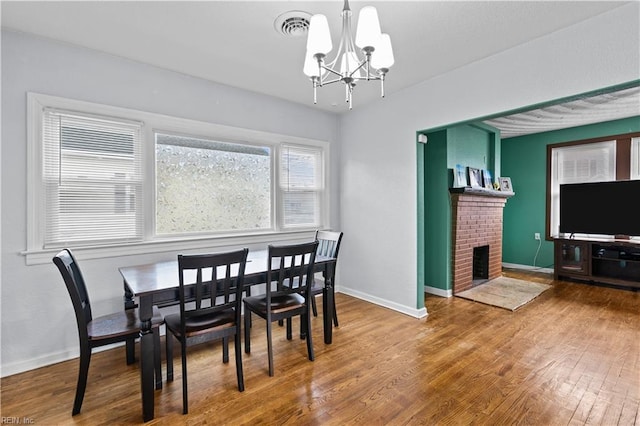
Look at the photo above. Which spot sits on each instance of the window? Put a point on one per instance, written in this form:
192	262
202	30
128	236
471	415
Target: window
92	179
301	183
635	158
102	177
211	186
588	161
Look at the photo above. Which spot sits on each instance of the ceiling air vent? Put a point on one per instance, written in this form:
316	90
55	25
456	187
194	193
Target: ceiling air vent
294	23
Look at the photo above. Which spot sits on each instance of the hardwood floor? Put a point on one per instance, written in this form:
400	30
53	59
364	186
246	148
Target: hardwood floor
570	357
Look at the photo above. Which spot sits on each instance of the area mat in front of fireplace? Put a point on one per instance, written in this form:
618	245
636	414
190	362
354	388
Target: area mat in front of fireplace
505	292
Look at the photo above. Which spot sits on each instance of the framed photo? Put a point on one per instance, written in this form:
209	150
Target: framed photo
505	184
475	177
460	176
487	180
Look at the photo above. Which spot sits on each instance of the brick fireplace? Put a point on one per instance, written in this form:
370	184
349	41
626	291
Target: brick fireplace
477	236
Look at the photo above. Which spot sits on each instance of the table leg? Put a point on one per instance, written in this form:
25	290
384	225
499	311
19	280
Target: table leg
328	304
147	369
129	303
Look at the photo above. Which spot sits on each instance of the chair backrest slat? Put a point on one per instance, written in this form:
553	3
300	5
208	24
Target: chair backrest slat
328	243
218	283
290	269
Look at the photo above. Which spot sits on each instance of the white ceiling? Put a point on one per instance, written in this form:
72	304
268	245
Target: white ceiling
235	42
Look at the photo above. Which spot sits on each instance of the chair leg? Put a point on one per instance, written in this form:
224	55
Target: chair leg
306	318
185	397
157	361
303	328
131	351
247	292
313	306
169	346
289	327
269	348
247	331
225	350
238	347
335	309
85	359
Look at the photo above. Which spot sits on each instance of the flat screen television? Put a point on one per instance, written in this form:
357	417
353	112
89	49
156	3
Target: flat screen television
608	208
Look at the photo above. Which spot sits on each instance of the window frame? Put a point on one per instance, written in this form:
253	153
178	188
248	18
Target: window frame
151	124
624	150
635	157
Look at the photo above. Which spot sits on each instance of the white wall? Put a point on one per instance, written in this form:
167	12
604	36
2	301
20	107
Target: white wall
38	324
378	186
375	147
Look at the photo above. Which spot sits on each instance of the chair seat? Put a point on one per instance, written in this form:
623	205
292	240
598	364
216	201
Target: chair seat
279	303
317	286
205	322
123	323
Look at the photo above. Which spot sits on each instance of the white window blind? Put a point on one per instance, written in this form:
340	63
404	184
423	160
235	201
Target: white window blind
635	158
592	162
301	185
92	179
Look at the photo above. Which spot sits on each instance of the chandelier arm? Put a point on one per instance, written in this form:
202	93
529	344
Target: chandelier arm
372	78
324	83
358	68
331	70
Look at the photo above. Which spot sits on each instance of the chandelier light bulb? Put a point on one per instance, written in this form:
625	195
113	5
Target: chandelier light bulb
368	32
319	38
311	68
383	56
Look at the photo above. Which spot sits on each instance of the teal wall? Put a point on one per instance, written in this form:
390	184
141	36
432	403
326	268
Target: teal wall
436	212
468	145
524	160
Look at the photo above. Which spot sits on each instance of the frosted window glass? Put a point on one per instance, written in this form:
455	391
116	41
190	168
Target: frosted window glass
210	186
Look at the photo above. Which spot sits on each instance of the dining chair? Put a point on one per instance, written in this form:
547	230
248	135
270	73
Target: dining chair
329	246
287	294
210	293
122	326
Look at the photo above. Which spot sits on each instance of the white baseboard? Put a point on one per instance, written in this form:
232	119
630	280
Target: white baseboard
53	358
528	268
33	363
416	313
438	291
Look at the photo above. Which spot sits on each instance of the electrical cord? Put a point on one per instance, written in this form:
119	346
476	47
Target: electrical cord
537	251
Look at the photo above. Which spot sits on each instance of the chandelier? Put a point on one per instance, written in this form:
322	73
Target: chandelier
370	62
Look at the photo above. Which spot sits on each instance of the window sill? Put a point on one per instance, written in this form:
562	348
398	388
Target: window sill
39	257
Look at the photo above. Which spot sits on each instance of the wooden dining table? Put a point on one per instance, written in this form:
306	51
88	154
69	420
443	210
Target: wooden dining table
157	284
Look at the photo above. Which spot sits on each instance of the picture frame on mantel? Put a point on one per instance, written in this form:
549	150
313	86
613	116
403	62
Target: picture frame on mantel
487	180
505	184
475	177
460	176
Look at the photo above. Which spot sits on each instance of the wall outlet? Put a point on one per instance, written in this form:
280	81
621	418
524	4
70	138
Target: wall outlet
536	236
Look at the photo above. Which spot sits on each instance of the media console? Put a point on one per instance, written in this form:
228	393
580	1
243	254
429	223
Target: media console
609	262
